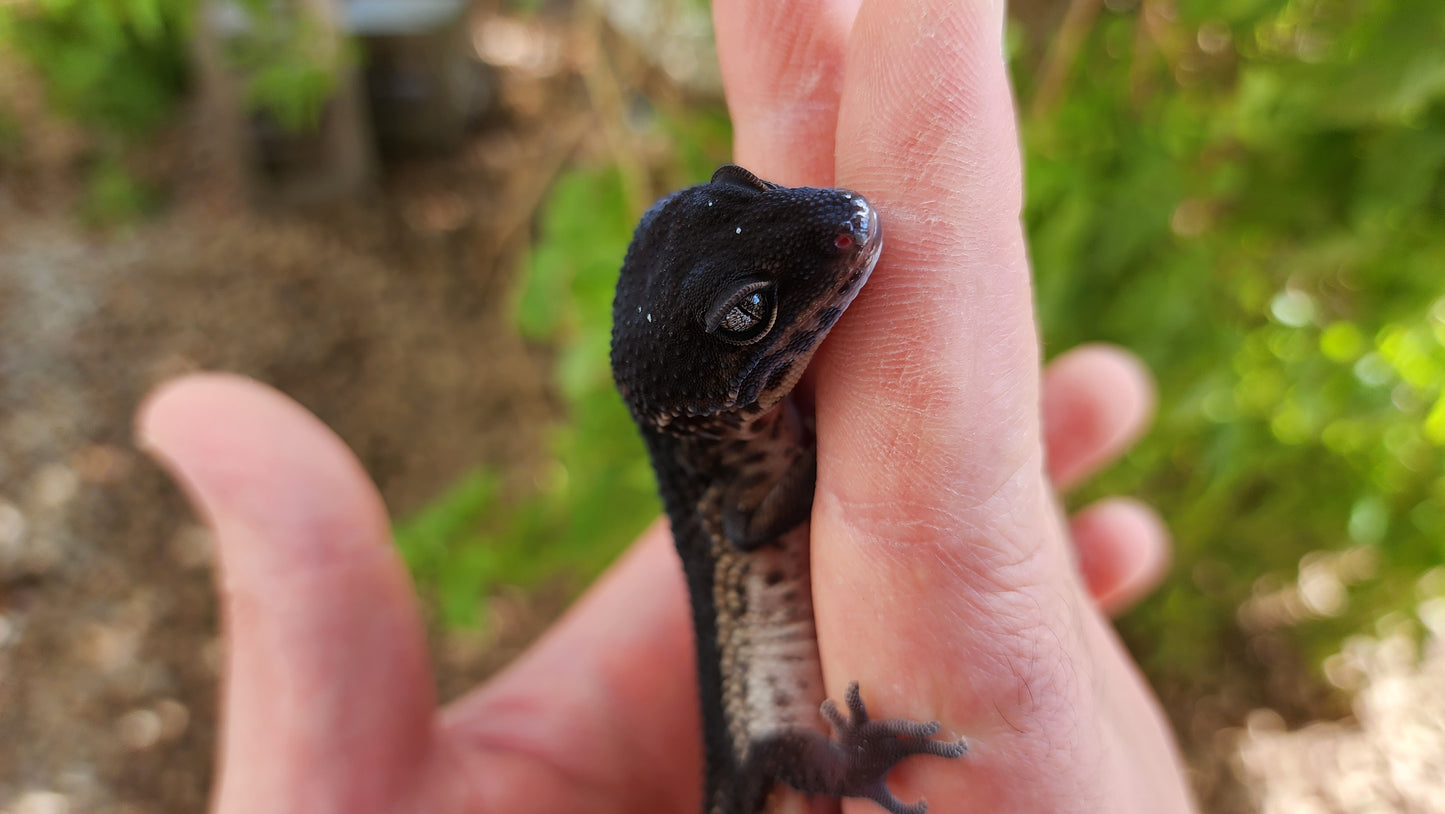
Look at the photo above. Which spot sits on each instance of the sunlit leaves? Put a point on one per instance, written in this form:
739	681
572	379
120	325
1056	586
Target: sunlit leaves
116	64
1270	235
598	490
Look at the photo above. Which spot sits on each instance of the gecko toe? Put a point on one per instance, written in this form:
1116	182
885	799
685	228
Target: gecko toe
948	749
854	699
880	794
904	728
830	713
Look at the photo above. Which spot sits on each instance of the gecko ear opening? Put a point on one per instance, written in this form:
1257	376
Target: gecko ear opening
744	313
735	176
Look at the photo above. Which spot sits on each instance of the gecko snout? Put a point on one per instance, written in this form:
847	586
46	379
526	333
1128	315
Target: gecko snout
860	229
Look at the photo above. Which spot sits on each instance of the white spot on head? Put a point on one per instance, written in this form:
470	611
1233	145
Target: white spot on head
709	203
847	196
739	230
649	317
639	309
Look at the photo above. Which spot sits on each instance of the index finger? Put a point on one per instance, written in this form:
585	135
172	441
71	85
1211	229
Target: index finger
782	68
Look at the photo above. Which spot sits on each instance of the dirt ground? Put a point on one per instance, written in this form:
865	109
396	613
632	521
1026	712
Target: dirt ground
385	316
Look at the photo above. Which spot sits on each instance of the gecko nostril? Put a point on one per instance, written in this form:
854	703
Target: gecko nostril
853	234
856	231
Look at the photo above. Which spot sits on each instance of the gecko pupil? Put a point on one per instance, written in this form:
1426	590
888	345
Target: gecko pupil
749	317
747	313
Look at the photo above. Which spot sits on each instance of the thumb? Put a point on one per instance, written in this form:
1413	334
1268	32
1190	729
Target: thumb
328	699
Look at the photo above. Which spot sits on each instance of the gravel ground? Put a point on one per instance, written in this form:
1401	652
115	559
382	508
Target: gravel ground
1390	758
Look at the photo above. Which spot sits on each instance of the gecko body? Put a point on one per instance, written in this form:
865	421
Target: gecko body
726	291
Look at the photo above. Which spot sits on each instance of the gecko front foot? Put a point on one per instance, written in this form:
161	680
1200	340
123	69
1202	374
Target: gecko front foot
870	748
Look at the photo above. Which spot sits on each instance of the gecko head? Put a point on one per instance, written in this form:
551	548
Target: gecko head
726	292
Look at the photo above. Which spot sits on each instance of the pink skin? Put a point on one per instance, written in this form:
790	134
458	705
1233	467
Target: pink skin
937	470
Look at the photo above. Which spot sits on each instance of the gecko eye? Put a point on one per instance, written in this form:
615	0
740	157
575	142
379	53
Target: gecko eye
745	314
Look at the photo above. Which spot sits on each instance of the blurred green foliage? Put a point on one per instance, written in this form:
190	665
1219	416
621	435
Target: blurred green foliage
115	65
291	62
1251	195
119	67
599	491
114	196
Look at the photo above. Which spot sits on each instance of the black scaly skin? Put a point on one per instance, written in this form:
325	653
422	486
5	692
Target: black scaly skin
726	291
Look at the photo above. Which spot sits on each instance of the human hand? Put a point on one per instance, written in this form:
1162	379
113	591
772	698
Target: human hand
328	699
329	705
